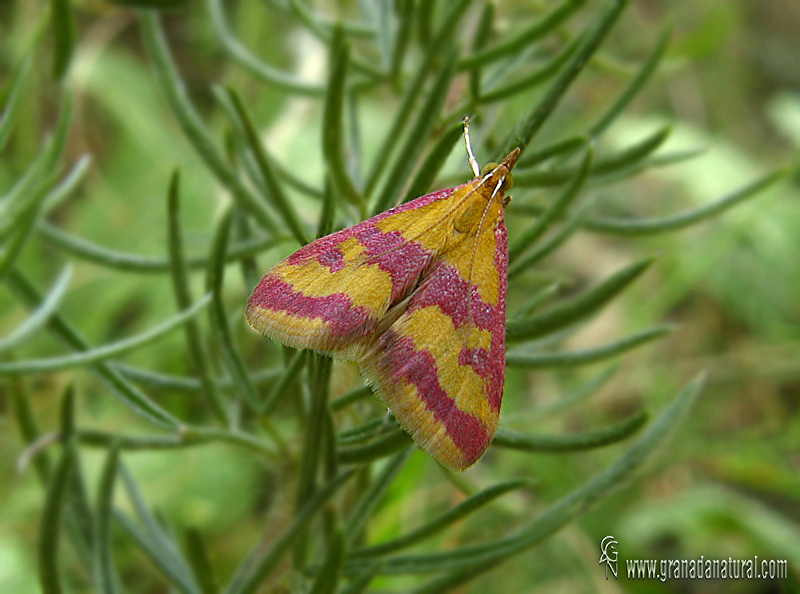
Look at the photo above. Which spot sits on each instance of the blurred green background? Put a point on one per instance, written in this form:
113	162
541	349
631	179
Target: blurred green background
727	485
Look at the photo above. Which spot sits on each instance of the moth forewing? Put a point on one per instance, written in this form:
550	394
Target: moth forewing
416	296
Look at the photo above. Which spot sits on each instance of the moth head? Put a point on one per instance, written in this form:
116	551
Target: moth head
501	172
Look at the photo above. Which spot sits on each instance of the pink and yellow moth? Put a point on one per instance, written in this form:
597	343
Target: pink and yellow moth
416	296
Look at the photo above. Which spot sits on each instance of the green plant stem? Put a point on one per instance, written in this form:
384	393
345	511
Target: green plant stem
247	581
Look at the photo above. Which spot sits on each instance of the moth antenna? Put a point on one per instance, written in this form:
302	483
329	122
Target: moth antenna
475	251
422	232
473	162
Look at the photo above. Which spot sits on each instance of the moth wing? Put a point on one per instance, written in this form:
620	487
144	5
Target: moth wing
332	294
440	367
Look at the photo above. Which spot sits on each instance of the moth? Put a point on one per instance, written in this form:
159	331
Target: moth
416	296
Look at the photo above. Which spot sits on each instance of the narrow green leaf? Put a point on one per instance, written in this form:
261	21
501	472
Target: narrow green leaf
443	521
354	135
187	437
243	230
217	315
102	353
556	209
286	380
246	581
650	226
380	15
333	144
571	359
662	160
356	29
297	181
482	33
591	40
200	561
154	541
576	309
203	434
238	149
322	29
179	576
351	397
23	202
513	45
372	496
330	446
326	217
67	424
425	12
123	389
63	22
256	66
194	128
77	516
276	193
604	165
29	429
384	446
80	520
361	582
14	95
58	143
50	530
636	84
327	579
633	154
67	185
536	77
417	136
28	191
539	298
319	367
413	91
183	299
551	243
515	440
368	430
20	232
575	396
40	316
434	162
124	262
562	147
185	384
103	439
105	580
402	38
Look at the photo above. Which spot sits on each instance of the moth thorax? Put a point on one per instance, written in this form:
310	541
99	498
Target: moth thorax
470	217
